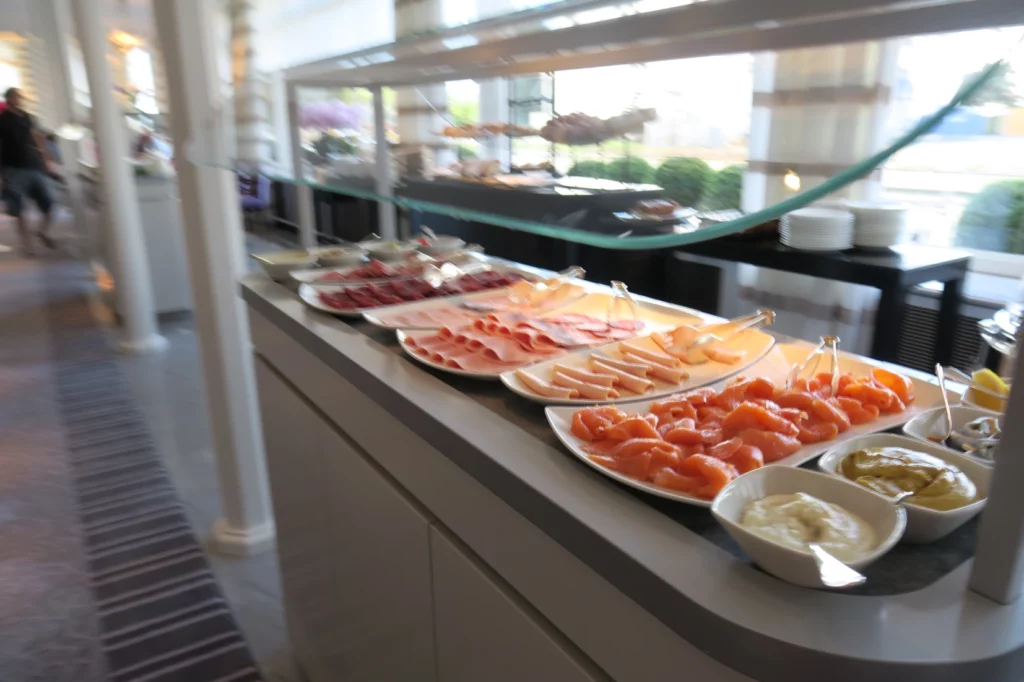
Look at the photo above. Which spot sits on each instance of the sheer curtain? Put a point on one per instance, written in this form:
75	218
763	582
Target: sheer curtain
816	112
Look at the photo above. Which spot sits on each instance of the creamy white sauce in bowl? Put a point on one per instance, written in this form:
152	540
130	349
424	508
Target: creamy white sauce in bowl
794	520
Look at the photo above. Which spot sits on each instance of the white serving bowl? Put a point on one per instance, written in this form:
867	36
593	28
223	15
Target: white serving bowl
386	250
923	524
442	245
934	420
887	519
339	256
278	264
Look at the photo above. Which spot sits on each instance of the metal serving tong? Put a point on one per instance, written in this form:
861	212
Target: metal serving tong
694	342
622	301
960	377
828	344
535	296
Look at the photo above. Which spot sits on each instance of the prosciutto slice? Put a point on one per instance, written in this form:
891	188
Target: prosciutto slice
507	350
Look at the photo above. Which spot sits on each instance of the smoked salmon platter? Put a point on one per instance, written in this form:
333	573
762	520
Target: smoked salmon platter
630	370
494	343
688	446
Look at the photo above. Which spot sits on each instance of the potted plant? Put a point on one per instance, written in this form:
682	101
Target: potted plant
684	179
631	169
994	219
725	189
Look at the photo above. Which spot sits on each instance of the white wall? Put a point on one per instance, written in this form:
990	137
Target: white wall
286	37
14	16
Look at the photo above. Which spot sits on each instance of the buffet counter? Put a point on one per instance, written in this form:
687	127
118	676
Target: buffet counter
433	529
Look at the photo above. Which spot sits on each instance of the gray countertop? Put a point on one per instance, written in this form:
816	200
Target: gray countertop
752	622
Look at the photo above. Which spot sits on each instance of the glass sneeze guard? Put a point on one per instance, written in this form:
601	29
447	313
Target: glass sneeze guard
345	163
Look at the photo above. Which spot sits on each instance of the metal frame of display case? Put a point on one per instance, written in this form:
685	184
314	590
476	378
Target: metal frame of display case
514	103
700	28
691	30
562	37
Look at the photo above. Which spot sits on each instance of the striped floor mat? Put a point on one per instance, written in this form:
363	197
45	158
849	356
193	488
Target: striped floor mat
162	616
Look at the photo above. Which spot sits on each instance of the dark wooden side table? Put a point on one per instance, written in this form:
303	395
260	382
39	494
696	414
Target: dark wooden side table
894	272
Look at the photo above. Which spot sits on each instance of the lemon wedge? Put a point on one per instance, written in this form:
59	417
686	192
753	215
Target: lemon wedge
986	378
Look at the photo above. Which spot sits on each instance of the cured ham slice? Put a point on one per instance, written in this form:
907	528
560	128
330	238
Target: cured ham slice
440	352
583	375
586	390
639	369
475	362
506	350
650	355
449	316
532	339
624	379
673	375
427	343
541	387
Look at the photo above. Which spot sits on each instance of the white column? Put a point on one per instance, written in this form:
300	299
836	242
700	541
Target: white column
251	116
214	242
304	193
385	209
134	291
279	117
422	111
494	109
52	24
998	571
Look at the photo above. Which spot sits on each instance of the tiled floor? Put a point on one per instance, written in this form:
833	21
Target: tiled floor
48	628
170	392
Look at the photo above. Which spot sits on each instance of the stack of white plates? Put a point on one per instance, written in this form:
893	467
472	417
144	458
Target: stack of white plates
878	225
817	229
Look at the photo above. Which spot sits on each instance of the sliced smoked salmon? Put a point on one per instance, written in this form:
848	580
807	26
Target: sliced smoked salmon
636	466
674	408
590	423
683	436
826	411
747	458
726	449
816	430
749	415
774	446
858	412
717	473
869	394
901	385
667	478
633	427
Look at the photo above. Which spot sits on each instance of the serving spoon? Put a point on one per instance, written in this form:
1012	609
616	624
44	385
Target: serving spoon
967	380
941	374
833	572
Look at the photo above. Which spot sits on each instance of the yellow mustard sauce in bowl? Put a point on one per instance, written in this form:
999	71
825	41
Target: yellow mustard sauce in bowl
936	484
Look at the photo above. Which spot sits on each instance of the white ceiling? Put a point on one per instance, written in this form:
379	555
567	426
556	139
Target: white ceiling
133	16
14	16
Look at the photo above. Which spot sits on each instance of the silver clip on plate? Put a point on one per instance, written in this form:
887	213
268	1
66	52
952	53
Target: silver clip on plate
622	296
829	343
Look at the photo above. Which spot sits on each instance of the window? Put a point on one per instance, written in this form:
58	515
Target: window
139	70
965	180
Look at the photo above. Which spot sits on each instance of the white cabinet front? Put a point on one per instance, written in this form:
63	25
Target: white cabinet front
366	617
487	632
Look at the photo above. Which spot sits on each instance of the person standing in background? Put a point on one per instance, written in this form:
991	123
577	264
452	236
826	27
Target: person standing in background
24	162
